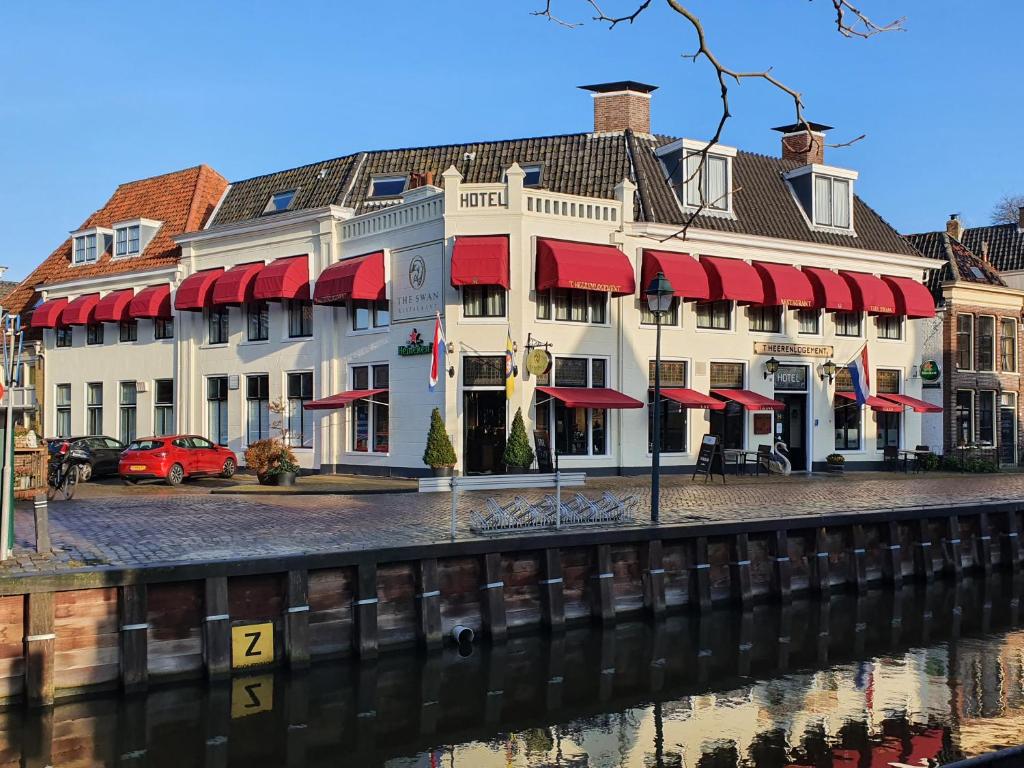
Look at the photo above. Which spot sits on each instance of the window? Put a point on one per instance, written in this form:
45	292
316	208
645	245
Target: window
258	321
808	321
217	409
163	407
964	416
300	319
387	186
300	422
129	330
163	328
126	241
730	422
669	318
707	187
965	342
280	201
986	343
887	381
370	415
846	414
986	417
218	322
673	414
580	431
85	249
63	401
62	337
94	409
573	306
483	301
1008	345
94	333
367	314
832	202
889	327
847	323
127	399
257	403
765	319
534	174
716	315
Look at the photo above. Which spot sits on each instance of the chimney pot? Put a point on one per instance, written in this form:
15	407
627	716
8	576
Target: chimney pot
1020	218
955	227
800	147
621	105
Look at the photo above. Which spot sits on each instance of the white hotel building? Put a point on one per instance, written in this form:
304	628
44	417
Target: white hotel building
304	287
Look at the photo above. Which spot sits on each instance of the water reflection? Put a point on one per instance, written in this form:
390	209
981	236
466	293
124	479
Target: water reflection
906	677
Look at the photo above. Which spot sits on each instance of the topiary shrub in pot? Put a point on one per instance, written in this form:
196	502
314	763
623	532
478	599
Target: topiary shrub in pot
518	453
439	454
834	463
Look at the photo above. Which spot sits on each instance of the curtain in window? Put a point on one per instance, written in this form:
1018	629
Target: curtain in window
715	188
840	203
822	200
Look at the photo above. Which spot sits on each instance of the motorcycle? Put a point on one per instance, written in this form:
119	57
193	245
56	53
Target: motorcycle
64	470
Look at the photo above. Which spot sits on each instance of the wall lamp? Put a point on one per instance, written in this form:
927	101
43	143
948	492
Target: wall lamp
770	367
827	370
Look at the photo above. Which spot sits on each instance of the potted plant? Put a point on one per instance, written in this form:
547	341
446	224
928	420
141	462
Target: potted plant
439	454
834	463
285	470
518	453
272	461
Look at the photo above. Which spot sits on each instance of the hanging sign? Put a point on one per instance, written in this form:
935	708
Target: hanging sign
538	362
930	370
416	345
786	348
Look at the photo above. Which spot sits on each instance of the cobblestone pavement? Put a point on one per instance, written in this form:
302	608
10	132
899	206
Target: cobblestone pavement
109	525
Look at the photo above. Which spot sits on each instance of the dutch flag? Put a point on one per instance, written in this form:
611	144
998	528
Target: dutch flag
861	376
436	362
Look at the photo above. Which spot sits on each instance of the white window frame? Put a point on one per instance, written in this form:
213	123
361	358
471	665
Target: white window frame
163	407
266	410
551	309
974	413
820	323
815	203
995	344
86	248
287	414
782	320
860	325
271	206
701	329
62	409
93	410
971	335
386	177
123	237
687	148
608	444
1016	354
686	383
371	421
900	325
995	415
642	307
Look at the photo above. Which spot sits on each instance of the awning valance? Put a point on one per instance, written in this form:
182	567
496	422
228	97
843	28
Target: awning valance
689	398
47	314
688	278
194	293
870	293
113	308
481	260
733	279
334	402
360	278
874	403
913	299
283	279
583	266
153	303
594	397
749	400
919	406
784	285
81	311
236	286
831	292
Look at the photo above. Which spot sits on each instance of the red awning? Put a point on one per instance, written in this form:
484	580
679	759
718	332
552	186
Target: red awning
81	311
689	398
875	403
334	402
733	279
688	278
195	291
913	299
153	302
358	278
286	278
113	308
481	260
784	285
236	285
831	292
870	294
749	400
583	266
596	397
918	406
47	314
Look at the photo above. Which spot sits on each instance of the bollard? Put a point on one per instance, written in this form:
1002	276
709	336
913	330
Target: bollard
455	503
42	517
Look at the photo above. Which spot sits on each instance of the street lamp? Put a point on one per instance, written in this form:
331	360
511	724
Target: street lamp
828	371
659	301
771	367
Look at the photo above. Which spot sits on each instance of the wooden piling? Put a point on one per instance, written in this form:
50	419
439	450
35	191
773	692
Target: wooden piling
216	629
552	593
296	619
952	558
134	614
782	568
817	562
40	641
492	597
983	544
700	575
923	562
1009	542
652	563
857	559
366	610
602	606
892	555
428	604
739	569
37	740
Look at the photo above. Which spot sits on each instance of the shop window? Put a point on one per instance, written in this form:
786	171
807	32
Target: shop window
163	328
62	337
300	421
127	402
808	321
483	301
163	407
257	405
300	319
573	306
370	429
673	414
580	431
715	315
889	327
1008	345
986	417
847	323
965	342
63	401
217	409
219	329
483	371
94	333
258	321
964	416
669	318
730	422
368	314
765	319
846	414
887	381
986	342
94	408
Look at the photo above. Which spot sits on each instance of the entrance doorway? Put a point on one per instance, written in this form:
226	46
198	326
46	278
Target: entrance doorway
791	421
484	412
1008	429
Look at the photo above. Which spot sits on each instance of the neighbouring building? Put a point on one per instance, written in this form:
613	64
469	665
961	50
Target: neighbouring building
306	304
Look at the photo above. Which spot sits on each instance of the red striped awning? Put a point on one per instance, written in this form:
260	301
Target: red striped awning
113	308
583	266
334	402
918	406
831	292
361	277
593	397
236	285
733	279
690	398
194	293
870	293
81	311
784	286
283	279
688	278
749	400
47	314
875	403
153	302
481	260
913	299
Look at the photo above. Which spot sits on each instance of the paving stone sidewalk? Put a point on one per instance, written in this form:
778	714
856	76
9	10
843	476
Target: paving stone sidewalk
109	525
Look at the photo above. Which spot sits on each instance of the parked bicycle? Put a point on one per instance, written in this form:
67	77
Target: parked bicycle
64	470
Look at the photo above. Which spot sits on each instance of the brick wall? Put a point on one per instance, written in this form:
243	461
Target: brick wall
619	111
802	148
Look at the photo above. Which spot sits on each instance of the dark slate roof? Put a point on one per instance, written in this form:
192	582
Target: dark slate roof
579	164
960	262
1005	245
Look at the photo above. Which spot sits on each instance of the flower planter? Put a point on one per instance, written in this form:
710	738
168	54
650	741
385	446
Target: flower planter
267	479
442	471
834	469
285	478
510	470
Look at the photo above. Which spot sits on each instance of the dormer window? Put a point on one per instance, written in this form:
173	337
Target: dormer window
534	174
825	195
126	240
280	201
700	180
85	249
831	202
388	186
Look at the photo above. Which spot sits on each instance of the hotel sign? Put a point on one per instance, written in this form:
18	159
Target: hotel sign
799	350
416	282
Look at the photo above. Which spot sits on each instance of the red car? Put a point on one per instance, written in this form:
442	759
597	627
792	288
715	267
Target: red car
173	458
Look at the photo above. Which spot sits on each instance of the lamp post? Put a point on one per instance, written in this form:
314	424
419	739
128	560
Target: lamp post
659	301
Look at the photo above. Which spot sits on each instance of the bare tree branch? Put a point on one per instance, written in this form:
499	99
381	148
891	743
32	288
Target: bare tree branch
612	21
692	216
547	14
861	26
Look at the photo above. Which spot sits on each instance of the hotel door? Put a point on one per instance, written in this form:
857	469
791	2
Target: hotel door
791	421
484	442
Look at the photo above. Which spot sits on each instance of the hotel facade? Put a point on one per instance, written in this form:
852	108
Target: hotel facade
305	306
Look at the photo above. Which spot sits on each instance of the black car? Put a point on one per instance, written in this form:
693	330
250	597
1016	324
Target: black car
103	453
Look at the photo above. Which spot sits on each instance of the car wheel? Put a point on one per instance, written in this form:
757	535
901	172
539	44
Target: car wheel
84	473
129	480
175	475
229	468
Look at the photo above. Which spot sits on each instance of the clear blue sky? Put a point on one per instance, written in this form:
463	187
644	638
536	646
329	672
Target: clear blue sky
96	93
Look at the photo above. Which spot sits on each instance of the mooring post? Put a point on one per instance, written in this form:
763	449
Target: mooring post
857	554
492	597
892	555
552	595
296	619
983	544
1009	550
133	609
739	568
217	628
366	610
40	640
428	604
817	562
923	562
953	565
700	575
42	520
653	564
782	568
602	606
37	740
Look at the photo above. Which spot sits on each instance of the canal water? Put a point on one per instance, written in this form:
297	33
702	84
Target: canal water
923	674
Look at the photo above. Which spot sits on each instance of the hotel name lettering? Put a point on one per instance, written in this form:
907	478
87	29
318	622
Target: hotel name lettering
784	348
494	199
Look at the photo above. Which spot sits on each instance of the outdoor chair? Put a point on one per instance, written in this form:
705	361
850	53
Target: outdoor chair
891	457
764	453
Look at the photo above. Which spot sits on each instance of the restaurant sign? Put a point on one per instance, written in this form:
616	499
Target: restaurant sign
416	345
930	370
417	282
786	348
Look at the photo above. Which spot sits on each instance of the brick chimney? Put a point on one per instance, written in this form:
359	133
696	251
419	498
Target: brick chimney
1020	219
621	105
801	148
955	227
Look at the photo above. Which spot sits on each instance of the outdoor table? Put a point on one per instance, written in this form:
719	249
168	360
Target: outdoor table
907	453
739	458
